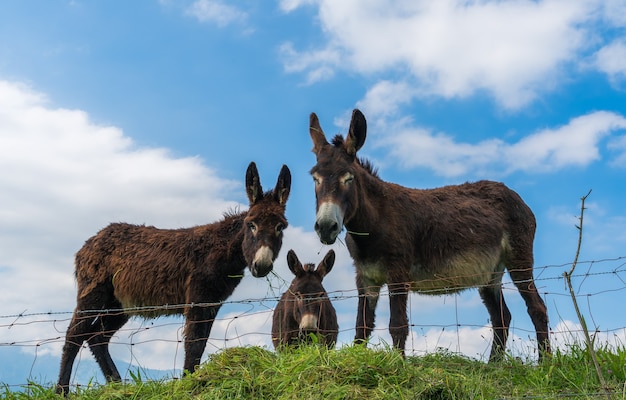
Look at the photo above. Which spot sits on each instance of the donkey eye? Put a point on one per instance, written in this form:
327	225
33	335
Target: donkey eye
317	179
252	227
347	179
280	227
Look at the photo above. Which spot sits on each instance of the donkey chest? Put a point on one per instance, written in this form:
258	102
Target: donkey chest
373	272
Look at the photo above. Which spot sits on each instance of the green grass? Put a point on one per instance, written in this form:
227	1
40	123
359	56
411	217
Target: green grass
356	372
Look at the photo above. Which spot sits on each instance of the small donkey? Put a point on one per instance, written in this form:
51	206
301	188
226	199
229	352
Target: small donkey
305	307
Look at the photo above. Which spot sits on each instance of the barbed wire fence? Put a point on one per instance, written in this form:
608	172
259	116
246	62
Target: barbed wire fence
243	322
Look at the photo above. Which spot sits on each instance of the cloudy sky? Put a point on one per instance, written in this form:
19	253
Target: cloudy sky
149	113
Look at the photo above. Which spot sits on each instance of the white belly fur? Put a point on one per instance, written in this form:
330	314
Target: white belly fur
459	273
464	271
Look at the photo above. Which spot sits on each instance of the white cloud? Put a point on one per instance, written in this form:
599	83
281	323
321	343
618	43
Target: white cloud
567	333
216	11
453	48
415	147
290	5
614	11
158	344
563	216
66	177
385	97
611	59
473	342
575	144
476	341
320	63
618	145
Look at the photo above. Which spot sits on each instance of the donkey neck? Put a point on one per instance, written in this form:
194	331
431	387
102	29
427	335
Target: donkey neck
383	207
371	195
225	239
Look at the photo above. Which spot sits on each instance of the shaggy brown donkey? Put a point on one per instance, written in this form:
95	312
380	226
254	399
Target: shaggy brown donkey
305	307
129	270
431	241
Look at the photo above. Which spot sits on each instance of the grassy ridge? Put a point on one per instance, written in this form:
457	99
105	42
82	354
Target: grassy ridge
313	372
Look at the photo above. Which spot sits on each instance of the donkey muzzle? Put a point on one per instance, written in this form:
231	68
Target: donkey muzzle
329	222
308	323
263	262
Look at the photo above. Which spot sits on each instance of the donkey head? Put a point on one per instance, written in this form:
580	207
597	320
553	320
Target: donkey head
335	176
265	221
308	289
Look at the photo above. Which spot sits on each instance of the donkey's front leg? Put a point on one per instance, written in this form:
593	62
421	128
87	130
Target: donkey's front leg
197	329
366	314
398	321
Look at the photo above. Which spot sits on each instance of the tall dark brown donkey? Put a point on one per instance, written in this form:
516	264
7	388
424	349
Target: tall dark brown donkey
431	241
305	307
129	269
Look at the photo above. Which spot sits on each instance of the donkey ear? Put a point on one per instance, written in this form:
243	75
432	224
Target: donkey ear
327	263
253	184
283	186
294	264
315	130
357	132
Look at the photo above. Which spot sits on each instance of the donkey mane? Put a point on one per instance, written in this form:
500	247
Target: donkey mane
368	166
233	212
338	141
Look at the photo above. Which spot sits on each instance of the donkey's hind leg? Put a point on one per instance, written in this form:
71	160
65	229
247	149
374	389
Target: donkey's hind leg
108	324
500	318
81	328
523	279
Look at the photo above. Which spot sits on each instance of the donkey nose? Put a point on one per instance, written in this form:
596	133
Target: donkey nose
260	270
329	222
263	262
327	231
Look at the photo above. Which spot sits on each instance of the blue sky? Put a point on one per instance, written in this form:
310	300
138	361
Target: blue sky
150	112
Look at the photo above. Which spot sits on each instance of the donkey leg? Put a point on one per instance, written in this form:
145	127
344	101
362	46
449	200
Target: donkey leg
99	344
366	312
537	310
81	328
398	321
197	329
500	319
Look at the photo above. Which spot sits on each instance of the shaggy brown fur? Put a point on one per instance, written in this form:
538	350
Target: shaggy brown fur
131	269
305	307
431	241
